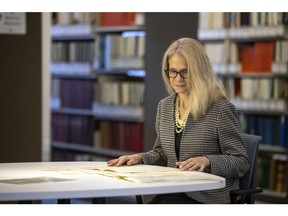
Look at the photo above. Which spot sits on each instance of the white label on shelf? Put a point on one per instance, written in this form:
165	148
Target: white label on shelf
13	23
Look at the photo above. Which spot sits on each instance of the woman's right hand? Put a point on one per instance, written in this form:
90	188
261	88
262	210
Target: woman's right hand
125	160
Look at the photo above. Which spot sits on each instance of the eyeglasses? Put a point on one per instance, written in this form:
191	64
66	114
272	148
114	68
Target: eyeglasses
173	73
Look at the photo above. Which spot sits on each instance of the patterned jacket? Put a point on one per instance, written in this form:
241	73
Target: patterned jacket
216	135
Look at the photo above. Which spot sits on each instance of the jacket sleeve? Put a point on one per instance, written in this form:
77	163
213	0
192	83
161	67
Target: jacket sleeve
156	156
234	161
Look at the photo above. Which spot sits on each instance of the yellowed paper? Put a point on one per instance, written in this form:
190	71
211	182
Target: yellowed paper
150	174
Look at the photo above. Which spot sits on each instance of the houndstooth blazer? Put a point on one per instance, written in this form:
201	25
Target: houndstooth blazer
216	135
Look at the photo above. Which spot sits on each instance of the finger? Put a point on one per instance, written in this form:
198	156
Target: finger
122	160
186	166
178	164
112	162
195	167
130	162
183	164
202	168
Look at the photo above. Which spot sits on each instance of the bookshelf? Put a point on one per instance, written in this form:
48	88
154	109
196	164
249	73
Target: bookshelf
96	101
72	84
248	51
119	94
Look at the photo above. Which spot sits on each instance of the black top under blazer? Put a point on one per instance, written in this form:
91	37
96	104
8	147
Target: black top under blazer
216	135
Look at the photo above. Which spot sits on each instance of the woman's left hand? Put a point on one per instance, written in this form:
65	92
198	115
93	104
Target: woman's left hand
194	164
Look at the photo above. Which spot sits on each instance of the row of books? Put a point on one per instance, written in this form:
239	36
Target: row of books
126	136
133	113
108	19
268	106
76	93
273	129
65	18
72	129
81	93
236	69
264	88
258	57
222	52
122	51
104	19
271	173
209	20
128	93
72	51
243	33
257	88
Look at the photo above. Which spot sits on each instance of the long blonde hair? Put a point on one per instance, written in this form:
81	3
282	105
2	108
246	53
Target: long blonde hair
205	87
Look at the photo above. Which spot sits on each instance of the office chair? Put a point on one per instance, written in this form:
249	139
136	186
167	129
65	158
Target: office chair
247	182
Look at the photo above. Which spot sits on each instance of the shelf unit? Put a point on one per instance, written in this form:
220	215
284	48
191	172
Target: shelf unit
83	132
253	88
72	90
119	100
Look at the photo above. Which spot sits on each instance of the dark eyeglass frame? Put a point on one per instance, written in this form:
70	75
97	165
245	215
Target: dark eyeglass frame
167	70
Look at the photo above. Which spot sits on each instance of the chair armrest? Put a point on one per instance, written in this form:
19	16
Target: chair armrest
240	192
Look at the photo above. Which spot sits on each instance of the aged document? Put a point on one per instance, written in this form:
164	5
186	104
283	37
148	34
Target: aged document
151	174
33	180
139	173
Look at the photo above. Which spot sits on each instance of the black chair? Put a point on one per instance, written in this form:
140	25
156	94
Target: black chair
247	183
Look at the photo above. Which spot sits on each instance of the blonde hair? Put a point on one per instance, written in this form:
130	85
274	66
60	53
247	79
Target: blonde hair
205	87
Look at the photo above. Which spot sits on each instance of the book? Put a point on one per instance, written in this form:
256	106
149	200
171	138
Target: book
117	19
257	57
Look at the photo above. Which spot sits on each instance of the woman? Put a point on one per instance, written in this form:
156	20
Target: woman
197	127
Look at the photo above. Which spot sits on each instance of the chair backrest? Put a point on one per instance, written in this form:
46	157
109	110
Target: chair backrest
248	180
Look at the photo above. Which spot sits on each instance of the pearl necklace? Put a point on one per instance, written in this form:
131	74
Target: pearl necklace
180	123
